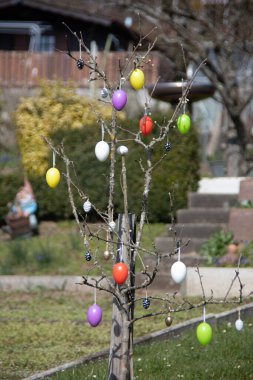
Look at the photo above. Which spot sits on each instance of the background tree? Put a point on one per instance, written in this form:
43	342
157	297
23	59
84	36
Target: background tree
222	33
123	245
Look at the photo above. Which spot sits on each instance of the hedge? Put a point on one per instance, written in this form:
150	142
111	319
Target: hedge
59	113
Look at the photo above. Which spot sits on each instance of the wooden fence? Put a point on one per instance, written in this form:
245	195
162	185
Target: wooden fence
25	69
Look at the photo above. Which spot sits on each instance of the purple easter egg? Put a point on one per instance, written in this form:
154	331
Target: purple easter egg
94	315
119	99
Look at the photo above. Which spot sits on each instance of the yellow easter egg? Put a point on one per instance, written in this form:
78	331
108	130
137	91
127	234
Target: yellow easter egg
53	177
137	79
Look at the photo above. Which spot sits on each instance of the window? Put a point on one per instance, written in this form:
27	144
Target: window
47	43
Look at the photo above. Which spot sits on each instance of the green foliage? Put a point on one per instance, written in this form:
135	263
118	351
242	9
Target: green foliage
245	204
247	254
216	246
56	107
176	173
58	113
9	185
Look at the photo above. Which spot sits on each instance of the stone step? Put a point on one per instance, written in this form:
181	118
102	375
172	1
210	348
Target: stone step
203	215
197	230
212	200
162	282
165	244
190	259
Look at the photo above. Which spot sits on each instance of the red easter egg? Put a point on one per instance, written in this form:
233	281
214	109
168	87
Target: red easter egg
120	273
146	125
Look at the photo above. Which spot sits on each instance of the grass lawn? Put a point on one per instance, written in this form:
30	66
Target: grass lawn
59	250
228	357
42	329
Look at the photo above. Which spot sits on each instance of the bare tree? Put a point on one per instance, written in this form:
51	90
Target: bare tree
124	245
222	33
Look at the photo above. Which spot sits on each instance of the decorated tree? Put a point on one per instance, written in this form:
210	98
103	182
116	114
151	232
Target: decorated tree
122	234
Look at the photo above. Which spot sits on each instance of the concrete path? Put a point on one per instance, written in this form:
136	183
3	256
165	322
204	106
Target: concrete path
68	283
216	280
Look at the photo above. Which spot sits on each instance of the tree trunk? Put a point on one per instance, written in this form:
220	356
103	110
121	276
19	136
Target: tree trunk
234	161
235	150
236	147
121	347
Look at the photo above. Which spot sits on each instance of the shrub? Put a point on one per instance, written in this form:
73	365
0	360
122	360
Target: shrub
59	113
9	185
216	246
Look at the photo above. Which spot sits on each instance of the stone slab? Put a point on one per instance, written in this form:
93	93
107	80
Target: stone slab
246	190
241	223
202	215
68	283
220	185
217	280
212	200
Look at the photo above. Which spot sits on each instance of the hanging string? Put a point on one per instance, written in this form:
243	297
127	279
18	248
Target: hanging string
121	82
183	99
95	295
178	251
80	48
204	314
146	293
53	159
121	252
102	132
85	241
239	313
167	134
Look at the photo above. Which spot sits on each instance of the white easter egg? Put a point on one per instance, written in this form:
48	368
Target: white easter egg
102	150
239	324
112	225
87	206
122	150
178	272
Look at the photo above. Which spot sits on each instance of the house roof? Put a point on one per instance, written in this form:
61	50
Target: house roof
86	10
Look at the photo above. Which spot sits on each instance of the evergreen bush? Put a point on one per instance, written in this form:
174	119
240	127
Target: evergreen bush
59	113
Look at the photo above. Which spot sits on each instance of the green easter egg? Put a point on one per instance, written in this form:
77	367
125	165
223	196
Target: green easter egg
184	123
204	333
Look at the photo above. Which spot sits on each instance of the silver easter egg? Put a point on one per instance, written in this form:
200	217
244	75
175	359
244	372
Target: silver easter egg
112	225
122	150
168	320
87	206
106	255
104	93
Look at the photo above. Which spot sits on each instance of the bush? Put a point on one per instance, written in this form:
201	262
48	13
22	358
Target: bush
59	113
216	246
9	185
